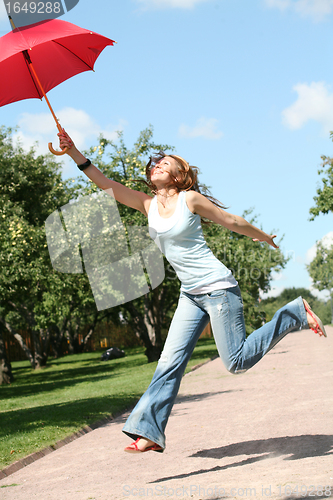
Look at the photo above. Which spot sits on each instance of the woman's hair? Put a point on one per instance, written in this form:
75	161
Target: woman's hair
186	179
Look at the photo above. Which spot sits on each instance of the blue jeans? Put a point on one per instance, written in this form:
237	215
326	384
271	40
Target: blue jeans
224	309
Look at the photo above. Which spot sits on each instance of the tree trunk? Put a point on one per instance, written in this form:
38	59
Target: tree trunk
72	335
41	343
90	333
20	340
6	376
56	338
40	360
139	324
152	319
41	338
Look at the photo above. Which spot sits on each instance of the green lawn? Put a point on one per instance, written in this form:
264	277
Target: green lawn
41	407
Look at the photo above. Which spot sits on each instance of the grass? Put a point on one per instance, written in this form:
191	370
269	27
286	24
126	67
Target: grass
44	406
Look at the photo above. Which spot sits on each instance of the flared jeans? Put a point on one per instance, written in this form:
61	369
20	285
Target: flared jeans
224	309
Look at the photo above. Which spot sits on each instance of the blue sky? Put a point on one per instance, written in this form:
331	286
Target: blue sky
242	89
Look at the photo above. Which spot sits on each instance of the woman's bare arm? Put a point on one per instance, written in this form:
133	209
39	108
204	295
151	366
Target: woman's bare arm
199	204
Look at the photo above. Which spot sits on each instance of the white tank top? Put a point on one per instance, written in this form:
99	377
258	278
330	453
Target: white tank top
181	240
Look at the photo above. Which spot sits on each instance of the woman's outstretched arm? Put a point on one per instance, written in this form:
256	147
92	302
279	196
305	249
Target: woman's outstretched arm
134	199
199	204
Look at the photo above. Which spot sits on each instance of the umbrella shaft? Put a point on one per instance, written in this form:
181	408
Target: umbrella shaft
42	90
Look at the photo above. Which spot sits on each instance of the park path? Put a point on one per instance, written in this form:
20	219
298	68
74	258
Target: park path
267	433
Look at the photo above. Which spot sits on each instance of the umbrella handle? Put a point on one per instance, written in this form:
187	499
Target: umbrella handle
57	153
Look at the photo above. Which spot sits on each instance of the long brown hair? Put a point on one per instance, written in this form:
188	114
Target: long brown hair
186	180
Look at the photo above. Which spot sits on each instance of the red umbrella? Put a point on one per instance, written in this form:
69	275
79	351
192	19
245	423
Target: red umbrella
35	59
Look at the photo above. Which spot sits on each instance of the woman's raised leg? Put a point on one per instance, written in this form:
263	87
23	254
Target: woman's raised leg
238	352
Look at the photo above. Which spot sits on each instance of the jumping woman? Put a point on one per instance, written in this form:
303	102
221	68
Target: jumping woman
209	292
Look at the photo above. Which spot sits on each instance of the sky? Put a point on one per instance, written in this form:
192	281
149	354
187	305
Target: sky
242	89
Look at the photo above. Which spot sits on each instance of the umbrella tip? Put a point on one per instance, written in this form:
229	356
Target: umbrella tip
11	22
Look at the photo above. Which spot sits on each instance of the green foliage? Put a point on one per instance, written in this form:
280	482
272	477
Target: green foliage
270	305
324	200
34	185
30	189
321	270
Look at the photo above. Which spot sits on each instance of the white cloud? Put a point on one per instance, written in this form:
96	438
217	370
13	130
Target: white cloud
314	102
204	127
316	9
81	127
327	242
170	4
322	295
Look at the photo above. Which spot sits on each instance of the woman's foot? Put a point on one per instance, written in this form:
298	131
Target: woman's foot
314	322
142	444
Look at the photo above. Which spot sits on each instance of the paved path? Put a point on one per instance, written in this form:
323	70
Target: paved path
267	433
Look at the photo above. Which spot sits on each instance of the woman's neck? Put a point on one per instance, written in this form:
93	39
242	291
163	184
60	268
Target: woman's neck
165	195
166	192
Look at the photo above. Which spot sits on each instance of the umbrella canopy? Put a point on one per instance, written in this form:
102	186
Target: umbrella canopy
37	58
57	49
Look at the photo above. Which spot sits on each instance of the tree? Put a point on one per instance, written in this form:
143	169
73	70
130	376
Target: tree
321	268
321	271
150	314
30	188
324	200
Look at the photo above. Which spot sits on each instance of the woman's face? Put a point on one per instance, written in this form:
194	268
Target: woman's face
164	171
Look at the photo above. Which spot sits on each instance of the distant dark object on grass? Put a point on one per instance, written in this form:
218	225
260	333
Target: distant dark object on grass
112	353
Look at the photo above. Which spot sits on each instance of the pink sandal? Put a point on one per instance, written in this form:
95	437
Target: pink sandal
133	447
319	328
